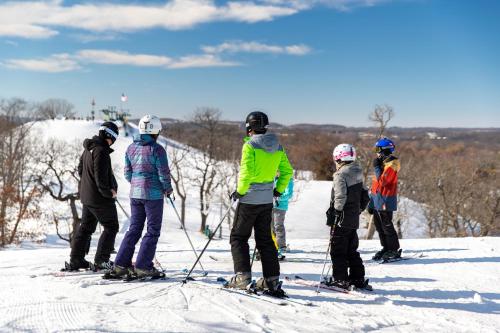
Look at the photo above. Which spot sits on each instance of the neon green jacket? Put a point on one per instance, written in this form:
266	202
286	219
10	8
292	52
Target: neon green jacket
262	156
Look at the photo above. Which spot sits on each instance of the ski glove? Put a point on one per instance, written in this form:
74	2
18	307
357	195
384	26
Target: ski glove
235	196
277	194
334	217
170	195
370	210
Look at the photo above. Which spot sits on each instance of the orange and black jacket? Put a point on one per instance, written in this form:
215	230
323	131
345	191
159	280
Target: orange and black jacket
384	191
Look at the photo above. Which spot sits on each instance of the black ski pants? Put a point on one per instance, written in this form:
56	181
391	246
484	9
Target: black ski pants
386	231
258	218
347	263
108	218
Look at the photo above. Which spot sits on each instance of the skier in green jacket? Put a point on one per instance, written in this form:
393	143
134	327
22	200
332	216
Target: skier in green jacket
262	157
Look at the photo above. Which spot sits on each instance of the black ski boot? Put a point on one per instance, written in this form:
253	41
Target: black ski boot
271	286
341	284
391	255
76	264
102	266
116	273
361	284
379	254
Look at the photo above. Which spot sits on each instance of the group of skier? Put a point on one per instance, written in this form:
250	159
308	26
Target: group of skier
265	184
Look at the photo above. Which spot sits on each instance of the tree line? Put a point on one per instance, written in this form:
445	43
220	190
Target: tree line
456	182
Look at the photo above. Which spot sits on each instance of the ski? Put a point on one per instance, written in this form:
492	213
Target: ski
416	255
251	292
254	293
314	284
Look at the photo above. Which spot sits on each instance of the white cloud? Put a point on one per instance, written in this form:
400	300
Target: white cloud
203	60
122	58
56	63
342	5
256	47
39	19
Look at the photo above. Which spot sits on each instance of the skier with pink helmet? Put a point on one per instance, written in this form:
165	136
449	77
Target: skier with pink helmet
348	199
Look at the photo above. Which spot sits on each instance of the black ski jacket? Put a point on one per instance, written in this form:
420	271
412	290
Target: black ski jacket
96	174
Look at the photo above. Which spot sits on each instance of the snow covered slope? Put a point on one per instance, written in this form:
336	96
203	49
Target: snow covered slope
452	285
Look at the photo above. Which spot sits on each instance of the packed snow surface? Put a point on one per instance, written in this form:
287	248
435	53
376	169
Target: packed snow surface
449	285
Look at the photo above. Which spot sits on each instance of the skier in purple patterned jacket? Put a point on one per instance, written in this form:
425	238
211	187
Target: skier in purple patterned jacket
146	168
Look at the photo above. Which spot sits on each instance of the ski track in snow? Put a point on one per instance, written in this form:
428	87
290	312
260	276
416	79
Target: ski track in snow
453	287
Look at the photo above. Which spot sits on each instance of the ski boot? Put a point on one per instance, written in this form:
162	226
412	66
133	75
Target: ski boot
152	273
271	286
391	255
240	280
378	256
361	284
76	264
116	273
341	284
102	266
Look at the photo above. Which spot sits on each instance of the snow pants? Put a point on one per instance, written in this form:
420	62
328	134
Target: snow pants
347	263
258	218
106	215
386	231
152	210
279	226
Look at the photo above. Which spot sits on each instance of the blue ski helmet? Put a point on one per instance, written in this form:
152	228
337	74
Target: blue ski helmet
385	144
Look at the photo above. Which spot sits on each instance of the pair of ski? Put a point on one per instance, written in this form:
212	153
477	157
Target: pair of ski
252	292
298	280
400	258
161	276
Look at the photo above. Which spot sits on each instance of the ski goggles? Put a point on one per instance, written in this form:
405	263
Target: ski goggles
110	132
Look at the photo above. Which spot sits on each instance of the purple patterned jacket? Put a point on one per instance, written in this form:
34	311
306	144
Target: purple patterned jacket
146	169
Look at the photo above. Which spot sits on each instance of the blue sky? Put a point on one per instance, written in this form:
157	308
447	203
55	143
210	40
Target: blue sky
318	61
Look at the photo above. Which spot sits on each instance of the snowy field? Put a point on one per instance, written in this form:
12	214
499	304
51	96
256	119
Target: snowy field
451	285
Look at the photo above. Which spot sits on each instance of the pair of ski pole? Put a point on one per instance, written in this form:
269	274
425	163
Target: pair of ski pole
182	227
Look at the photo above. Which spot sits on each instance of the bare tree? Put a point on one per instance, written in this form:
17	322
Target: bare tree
55	107
17	190
59	178
206	137
381	116
178	168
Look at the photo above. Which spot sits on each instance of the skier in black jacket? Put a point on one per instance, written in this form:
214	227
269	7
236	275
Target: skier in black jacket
349	198
97	190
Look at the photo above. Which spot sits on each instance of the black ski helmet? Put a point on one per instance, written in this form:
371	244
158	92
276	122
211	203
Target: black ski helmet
257	121
108	130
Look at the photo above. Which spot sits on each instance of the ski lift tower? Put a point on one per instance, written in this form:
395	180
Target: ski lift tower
109	113
92	113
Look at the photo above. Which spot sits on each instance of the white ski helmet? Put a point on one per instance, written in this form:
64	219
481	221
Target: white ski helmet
149	125
344	152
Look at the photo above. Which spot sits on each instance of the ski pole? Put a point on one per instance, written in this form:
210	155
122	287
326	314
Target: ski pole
185	232
123	210
253	255
206	245
326	259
